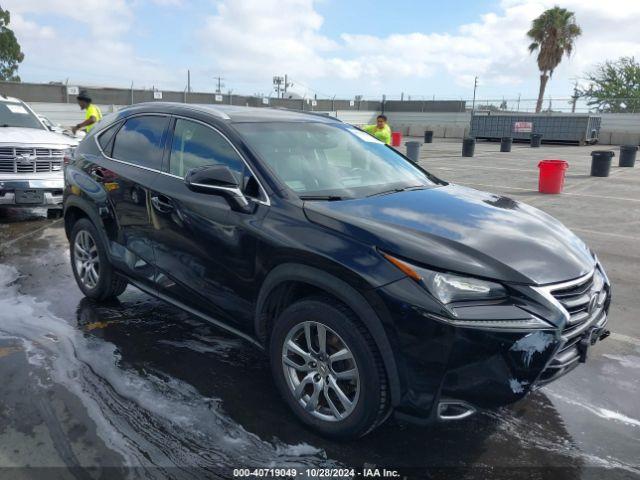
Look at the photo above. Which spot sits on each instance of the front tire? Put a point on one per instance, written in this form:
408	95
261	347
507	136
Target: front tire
90	263
328	369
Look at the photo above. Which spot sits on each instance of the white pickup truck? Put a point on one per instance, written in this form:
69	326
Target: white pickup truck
31	159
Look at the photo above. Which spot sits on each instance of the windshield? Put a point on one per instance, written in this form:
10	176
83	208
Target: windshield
13	114
330	161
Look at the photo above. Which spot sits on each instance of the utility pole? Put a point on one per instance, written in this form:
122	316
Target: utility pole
473	103
188	81
286	84
220	84
518	109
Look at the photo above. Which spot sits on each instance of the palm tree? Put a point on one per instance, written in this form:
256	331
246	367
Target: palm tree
553	34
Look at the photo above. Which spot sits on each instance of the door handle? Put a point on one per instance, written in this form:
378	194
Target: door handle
161	203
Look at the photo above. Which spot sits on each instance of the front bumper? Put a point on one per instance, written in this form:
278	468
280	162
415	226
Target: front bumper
52	190
440	363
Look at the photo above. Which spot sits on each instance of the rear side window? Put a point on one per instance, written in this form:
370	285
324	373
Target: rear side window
106	138
196	145
141	141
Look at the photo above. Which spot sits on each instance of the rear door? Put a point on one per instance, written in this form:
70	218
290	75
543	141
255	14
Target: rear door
205	250
134	157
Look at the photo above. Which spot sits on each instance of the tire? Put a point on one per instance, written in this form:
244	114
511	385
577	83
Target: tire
368	392
103	282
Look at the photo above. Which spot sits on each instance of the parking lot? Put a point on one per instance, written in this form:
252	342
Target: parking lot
138	383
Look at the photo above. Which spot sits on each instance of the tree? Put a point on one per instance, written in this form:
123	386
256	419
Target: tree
554	34
10	53
614	86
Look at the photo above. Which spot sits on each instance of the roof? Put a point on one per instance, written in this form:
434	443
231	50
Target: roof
237	114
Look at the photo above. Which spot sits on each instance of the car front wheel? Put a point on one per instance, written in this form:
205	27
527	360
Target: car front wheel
327	368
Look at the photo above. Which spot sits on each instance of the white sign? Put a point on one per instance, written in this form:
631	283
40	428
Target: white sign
523	127
352	103
265	101
157	95
314	103
17	108
72	90
218	97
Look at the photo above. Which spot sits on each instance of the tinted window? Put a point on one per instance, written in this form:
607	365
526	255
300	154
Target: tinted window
106	138
195	145
141	140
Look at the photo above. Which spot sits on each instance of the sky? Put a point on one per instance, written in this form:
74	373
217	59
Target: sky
422	49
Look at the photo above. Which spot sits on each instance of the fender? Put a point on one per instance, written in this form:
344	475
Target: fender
347	294
90	211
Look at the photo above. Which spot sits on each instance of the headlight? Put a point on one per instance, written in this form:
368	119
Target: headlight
449	288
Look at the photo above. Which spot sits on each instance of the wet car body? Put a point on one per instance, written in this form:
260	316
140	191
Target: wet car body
237	267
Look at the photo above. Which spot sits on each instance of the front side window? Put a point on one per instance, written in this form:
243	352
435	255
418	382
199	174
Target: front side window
141	141
196	145
324	160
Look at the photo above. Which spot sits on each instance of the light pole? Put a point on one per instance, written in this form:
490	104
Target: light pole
473	103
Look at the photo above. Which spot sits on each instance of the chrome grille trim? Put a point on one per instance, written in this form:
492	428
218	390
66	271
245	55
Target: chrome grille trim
46	160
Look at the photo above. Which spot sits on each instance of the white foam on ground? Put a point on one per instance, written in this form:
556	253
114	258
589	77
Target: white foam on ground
150	421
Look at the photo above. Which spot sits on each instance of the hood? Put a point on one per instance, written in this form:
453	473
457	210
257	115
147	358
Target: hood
459	229
34	136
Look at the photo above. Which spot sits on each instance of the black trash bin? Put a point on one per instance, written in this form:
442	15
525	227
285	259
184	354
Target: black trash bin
413	150
601	162
505	144
627	155
468	146
428	136
536	140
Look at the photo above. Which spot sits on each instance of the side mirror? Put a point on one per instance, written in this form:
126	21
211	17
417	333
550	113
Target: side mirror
218	180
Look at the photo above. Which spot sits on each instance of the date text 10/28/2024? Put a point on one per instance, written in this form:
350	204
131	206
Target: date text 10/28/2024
315	472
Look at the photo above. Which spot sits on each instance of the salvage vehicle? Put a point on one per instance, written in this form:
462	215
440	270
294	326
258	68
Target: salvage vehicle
373	286
31	158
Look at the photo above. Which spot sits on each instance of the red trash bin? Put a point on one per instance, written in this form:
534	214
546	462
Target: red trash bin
551	175
396	139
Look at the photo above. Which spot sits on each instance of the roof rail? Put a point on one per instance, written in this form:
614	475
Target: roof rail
317	114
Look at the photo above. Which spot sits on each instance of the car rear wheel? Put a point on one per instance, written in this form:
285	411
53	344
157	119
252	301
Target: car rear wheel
327	368
90	264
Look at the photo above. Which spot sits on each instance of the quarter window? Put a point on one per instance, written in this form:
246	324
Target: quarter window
196	145
106	138
141	141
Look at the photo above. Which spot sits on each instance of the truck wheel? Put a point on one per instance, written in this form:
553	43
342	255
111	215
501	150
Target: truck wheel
328	369
90	263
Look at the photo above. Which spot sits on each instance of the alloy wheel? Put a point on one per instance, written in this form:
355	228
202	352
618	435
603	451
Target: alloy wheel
320	371
86	259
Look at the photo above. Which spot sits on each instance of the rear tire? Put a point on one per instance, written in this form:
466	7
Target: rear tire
90	263
340	395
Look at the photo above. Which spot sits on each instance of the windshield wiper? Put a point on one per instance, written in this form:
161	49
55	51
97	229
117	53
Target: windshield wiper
398	189
329	198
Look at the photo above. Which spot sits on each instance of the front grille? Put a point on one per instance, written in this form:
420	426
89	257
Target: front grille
584	314
46	160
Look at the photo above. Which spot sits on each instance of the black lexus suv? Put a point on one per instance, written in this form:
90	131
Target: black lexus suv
373	286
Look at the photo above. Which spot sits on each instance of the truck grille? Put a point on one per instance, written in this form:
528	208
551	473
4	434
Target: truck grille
30	160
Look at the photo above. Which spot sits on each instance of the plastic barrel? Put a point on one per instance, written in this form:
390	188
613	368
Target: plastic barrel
536	140
627	155
396	139
413	150
428	136
551	178
468	146
505	144
601	162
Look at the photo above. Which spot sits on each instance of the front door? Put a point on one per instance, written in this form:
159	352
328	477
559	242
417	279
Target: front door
205	250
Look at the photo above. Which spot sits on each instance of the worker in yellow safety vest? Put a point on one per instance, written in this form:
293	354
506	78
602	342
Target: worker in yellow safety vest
380	130
92	115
